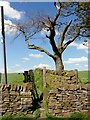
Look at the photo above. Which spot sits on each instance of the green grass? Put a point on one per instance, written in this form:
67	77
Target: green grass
74	116
38	83
16	118
84	76
13	78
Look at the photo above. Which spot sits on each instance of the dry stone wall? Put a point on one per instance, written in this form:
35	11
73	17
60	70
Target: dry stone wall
69	98
16	100
65	97
56	78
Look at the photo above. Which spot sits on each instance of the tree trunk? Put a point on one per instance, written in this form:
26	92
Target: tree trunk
59	64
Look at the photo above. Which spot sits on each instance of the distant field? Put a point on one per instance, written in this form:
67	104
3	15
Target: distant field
15	78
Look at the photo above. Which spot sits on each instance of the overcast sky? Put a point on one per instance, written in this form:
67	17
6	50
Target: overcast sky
19	57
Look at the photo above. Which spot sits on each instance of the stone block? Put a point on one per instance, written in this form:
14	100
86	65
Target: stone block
26	94
6	99
84	87
51	105
13	87
57	111
70	73
73	87
14	93
26	101
18	98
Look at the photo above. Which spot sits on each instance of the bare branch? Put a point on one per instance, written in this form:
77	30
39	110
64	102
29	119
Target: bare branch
40	49
71	40
55	4
58	12
63	34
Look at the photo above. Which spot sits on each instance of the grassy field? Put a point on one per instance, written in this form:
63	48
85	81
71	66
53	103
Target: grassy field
15	78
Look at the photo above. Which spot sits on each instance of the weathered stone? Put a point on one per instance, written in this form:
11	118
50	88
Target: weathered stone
15	100
57	111
74	99
72	87
84	86
70	73
14	93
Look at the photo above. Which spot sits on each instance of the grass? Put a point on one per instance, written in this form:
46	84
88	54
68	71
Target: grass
74	116
14	78
38	80
84	76
16	118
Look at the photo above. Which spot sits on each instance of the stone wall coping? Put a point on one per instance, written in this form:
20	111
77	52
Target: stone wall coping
16	88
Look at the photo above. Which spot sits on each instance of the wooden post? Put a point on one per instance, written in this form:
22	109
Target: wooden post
44	76
44	85
44	91
76	74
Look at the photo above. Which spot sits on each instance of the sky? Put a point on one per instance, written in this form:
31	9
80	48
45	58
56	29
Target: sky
19	57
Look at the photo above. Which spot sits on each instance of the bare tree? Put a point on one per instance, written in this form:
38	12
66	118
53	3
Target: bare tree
70	31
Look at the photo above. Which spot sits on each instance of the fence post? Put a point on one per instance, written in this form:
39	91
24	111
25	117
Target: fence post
44	77
44	92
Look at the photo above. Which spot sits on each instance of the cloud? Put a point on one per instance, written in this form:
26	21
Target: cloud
36	55
25	59
77	64
11	12
17	65
85	65
57	32
83	47
76	60
80	46
10	28
86	43
74	44
42	65
45	32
